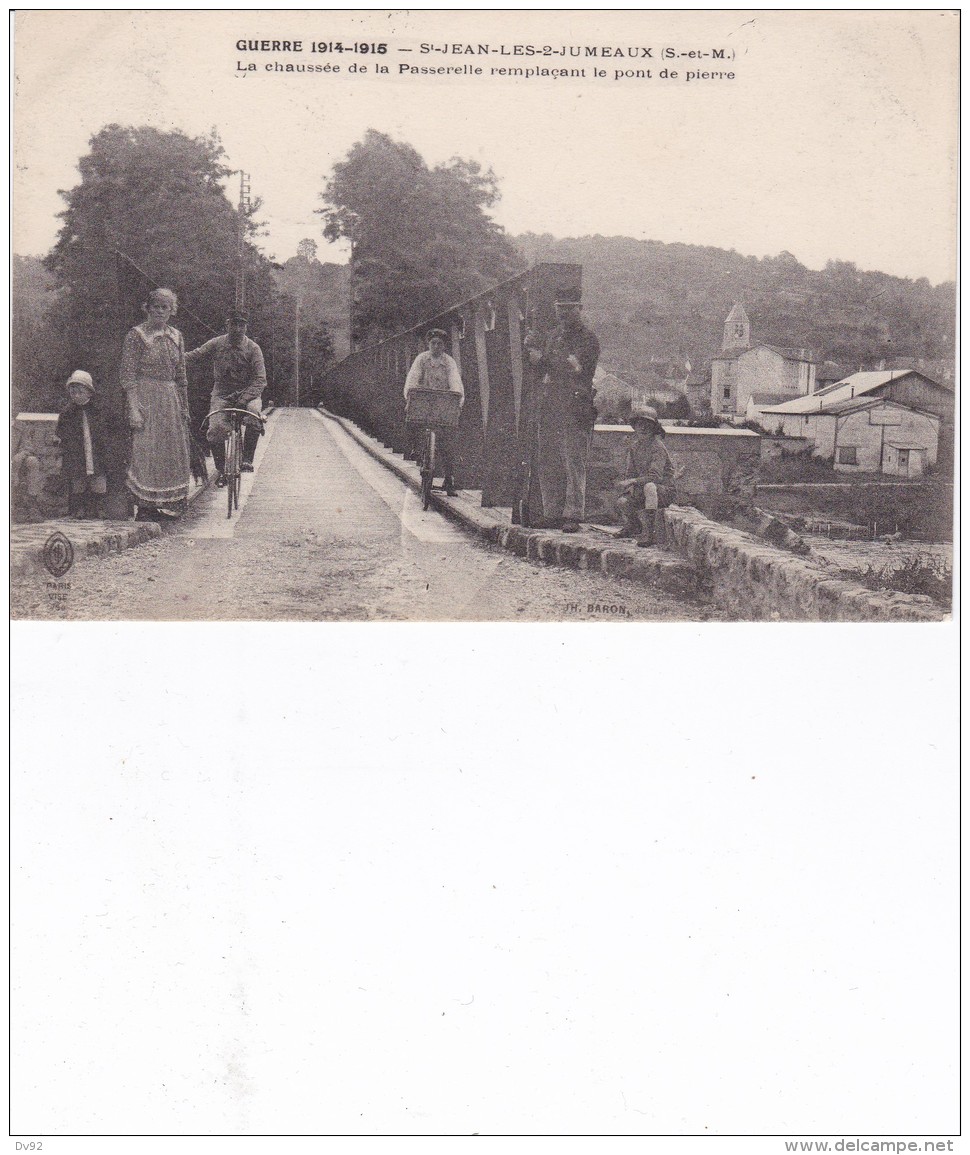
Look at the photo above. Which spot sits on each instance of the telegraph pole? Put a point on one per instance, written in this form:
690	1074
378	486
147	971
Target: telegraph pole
306	251
354	221
244	205
296	350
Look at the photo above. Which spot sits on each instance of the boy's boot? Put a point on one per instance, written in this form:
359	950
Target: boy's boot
648	521
629	525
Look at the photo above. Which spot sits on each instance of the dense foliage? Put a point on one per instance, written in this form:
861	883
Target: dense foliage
320	291
652	302
38	357
158	198
421	238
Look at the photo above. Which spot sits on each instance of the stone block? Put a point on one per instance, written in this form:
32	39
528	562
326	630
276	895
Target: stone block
547	547
617	562
571	553
517	540
542	547
755	580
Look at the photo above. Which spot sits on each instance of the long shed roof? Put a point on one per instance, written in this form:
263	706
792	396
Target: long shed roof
849	388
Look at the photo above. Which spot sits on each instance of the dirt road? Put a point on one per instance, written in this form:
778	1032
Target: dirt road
327	534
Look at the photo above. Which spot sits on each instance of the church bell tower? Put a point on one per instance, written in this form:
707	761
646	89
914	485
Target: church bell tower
737	329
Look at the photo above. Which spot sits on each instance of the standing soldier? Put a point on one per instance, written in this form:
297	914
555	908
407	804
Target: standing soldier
566	416
239	378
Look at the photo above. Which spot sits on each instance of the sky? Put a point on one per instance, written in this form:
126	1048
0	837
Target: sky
835	139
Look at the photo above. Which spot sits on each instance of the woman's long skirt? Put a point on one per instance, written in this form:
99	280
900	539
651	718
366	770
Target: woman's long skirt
159	471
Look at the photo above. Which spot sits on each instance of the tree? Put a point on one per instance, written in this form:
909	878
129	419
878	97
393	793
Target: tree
312	296
307	249
39	359
156	197
420	237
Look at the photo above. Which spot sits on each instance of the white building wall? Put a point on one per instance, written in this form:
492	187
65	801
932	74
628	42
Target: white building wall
806	377
856	432
758	370
723	376
870	429
762	370
823	434
919	429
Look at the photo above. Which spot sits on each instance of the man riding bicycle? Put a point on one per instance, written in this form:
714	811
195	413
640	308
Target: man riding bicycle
436	369
239	378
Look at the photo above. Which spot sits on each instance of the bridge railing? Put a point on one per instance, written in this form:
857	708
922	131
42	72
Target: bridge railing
486	337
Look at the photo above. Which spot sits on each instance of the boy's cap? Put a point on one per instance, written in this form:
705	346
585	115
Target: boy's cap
645	413
79	377
238	316
437	333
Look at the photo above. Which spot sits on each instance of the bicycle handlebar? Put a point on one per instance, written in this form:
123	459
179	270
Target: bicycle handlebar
232	409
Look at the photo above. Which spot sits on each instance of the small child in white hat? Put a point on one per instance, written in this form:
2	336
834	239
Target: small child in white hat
81	432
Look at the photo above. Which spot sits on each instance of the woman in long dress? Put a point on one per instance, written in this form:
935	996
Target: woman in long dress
156	392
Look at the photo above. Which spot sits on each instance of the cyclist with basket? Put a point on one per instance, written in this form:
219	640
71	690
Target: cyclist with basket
239	378
435	370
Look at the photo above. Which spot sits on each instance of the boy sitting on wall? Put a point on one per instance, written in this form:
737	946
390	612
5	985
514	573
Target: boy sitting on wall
648	484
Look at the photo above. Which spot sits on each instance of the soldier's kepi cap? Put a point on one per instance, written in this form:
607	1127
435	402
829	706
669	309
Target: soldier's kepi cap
79	377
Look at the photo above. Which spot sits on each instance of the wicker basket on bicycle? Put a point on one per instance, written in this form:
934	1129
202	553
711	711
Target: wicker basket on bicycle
435	407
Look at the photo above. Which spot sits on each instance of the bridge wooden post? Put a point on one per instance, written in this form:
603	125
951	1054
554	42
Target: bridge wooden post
487	333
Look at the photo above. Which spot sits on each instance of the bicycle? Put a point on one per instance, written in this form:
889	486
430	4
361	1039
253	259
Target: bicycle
431	410
232	470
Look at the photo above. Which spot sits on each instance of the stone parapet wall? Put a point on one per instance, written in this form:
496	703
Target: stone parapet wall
713	465
757	582
33	437
89	539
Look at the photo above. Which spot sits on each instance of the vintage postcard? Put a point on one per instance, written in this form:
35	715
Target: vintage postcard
466	316
343	341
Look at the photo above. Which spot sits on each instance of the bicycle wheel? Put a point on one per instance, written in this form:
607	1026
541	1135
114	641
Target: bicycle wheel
232	468
427	473
237	472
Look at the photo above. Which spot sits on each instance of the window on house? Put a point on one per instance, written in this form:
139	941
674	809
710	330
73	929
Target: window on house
727	392
848	455
459	324
490	317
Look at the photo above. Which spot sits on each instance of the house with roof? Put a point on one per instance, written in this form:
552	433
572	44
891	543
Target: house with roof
827	373
876	422
698	390
742	371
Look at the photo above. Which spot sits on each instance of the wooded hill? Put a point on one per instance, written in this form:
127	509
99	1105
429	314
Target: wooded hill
650	301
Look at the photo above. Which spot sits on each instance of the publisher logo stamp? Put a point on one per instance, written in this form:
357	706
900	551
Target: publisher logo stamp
58	555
